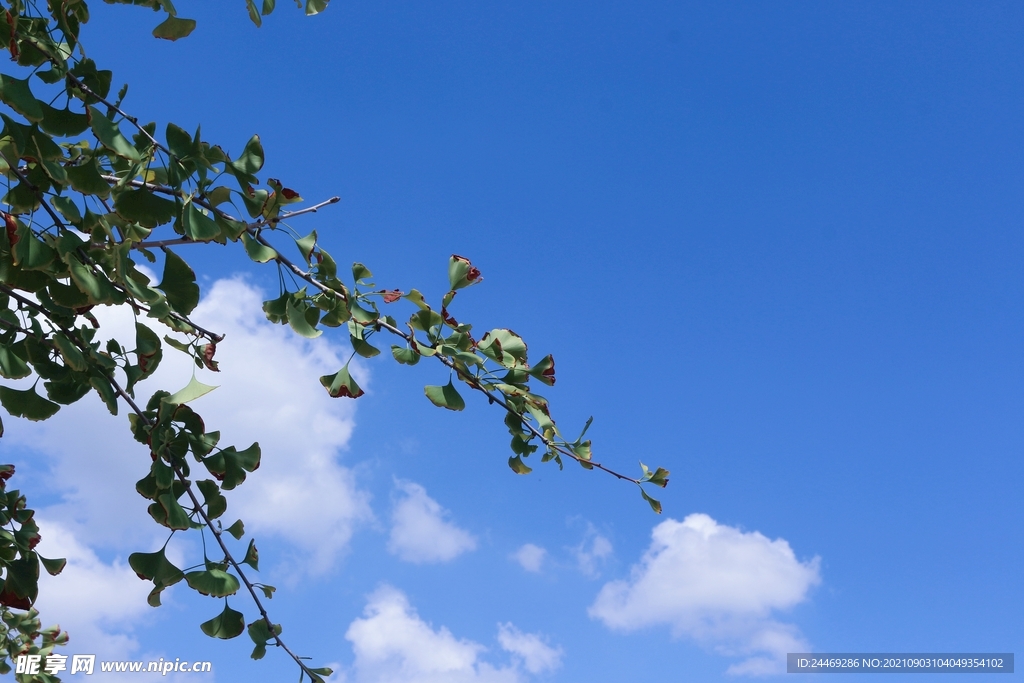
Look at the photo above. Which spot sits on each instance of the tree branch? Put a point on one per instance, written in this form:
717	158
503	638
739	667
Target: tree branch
198	506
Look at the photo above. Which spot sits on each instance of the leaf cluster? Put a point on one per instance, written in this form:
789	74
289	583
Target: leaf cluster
96	200
21	632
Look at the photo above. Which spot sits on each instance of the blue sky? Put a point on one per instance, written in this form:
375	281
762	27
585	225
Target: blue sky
774	248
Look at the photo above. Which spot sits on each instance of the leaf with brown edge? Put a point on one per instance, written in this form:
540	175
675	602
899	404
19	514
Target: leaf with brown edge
392	296
462	273
55	566
655	505
208	361
341	384
544	370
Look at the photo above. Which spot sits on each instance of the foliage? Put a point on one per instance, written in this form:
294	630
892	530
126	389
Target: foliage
90	190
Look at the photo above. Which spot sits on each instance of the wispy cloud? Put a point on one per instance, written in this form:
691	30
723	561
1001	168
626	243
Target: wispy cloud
530	557
535	654
420	532
592	552
718	585
392	643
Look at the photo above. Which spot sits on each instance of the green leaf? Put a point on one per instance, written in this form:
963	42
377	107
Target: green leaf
424	319
252	555
12	366
53	567
298	322
148	350
228	624
110	135
655	505
179	283
504	346
277	309
68	390
462	273
72	356
22	581
659	477
197	225
106	392
216	504
341	384
144	207
446	396
96	79
360	272
259	253
193	390
315	6
155	567
306	245
62	122
16	93
254	200
215	582
251	159
178	141
260	634
360	314
86	178
268	591
95	285
582	450
27	404
174	516
323	671
237	530
67	208
518	466
362	347
254	13
173	28
405	356
417	298
31	253
230	465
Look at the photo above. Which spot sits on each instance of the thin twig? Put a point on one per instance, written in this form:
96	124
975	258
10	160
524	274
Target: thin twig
131	119
471	381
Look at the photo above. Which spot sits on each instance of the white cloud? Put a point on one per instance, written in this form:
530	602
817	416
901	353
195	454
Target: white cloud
420	532
530	557
592	551
717	585
269	392
392	644
536	655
